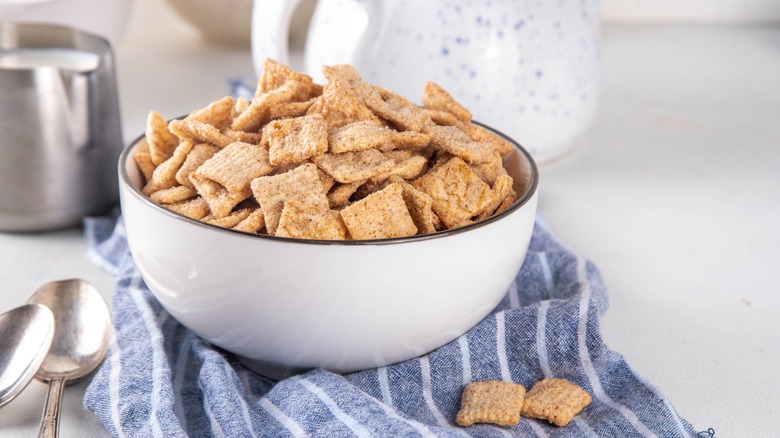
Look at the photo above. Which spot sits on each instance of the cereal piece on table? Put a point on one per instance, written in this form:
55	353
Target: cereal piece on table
196	208
458	193
482	135
199	132
258	113
437	98
341	106
359	136
354	166
229	221
173	195
491	169
145	164
218	114
235	166
305	221
164	175
197	156
295	140
253	223
219	199
419	204
339	196
457	142
301	184
241	104
491	401
161	140
380	215
555	400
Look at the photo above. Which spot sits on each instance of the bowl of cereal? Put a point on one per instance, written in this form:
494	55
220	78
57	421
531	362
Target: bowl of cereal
334	226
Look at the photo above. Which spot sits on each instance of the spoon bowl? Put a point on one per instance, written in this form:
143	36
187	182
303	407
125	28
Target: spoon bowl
26	333
83	327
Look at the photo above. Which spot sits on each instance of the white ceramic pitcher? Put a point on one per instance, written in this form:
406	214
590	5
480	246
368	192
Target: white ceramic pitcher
528	68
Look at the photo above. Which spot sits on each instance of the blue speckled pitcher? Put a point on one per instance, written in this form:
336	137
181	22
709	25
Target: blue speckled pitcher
527	68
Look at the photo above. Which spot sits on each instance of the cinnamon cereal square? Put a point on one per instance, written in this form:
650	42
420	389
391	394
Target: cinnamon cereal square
555	400
301	184
295	140
458	193
197	156
380	215
437	98
354	166
161	140
491	401
235	166
306	221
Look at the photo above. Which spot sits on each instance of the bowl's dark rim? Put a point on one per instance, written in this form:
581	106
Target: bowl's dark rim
522	200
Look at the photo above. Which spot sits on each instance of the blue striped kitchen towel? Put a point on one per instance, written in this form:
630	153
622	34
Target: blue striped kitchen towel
161	380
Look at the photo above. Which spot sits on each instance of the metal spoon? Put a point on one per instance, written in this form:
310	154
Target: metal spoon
83	326
26	333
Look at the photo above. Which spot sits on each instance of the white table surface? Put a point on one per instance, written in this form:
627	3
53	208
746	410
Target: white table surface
674	193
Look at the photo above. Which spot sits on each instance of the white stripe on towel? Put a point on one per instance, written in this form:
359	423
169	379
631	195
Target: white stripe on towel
514	296
501	347
240	399
544	361
590	371
541	338
384	386
216	429
419	427
548	280
113	384
537	429
425	368
334	408
282	418
157	350
181	367
465	358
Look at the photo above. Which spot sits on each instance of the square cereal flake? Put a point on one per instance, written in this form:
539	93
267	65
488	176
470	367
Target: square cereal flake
380	215
295	140
555	400
491	401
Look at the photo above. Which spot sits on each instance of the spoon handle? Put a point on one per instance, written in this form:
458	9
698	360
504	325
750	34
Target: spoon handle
50	427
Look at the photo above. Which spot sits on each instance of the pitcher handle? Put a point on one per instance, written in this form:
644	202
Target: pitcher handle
270	30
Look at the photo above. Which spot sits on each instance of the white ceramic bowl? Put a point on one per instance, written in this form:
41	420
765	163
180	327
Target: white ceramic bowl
284	305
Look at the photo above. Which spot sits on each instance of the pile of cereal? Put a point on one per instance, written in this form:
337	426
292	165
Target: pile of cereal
347	160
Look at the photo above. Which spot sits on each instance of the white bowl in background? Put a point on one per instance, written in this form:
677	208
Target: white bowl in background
220	21
284	305
106	18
